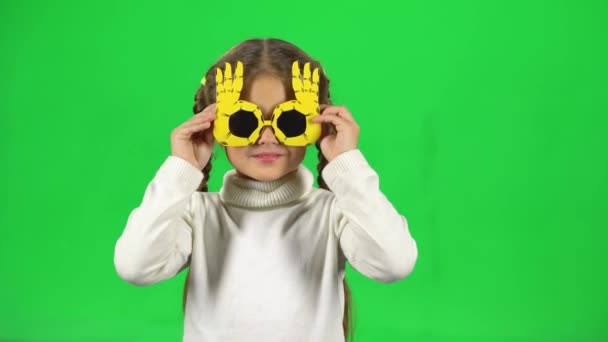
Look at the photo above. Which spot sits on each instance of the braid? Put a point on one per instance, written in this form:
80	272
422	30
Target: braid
206	173
324	99
347	324
320	166
201	100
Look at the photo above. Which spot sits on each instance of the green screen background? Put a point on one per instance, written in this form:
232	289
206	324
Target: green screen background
486	121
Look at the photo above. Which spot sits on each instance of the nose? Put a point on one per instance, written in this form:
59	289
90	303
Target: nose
267	136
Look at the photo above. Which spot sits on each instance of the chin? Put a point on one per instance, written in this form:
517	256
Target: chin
268	171
265	172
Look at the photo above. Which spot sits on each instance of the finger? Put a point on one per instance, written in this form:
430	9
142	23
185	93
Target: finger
296	82
208	135
197	119
187	133
202	118
306	83
327	129
315	84
338	122
228	78
194	125
199	126
237	85
219	84
209	109
203	137
341	111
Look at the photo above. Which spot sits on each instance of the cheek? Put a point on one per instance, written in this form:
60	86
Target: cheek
297	153
233	154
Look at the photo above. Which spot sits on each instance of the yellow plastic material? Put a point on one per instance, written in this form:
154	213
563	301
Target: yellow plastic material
228	91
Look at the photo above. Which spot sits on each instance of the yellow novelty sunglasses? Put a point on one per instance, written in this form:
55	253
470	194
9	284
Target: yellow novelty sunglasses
239	122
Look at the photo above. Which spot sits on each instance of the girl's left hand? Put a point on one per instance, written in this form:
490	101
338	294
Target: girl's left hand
347	131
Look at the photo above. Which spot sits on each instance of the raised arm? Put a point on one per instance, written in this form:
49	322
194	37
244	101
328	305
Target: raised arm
373	236
157	240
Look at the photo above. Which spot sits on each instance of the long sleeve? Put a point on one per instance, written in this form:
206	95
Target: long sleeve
373	236
157	240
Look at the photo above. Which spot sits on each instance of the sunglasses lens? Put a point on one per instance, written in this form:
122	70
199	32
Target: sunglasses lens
242	123
292	123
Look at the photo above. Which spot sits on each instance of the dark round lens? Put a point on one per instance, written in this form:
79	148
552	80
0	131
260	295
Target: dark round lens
242	123
292	123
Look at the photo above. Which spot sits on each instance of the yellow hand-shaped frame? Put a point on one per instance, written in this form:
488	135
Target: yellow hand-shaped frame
239	123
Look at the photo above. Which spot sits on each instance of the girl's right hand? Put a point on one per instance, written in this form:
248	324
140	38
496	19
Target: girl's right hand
193	140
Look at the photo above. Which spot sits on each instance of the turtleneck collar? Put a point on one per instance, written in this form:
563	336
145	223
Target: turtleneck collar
251	193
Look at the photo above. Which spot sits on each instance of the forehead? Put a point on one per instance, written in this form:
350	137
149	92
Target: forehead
266	91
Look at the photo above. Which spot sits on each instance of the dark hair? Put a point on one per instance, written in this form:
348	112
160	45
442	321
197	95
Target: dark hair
274	57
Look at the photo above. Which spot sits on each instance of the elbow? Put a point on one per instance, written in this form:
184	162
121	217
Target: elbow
131	275
129	269
400	264
400	257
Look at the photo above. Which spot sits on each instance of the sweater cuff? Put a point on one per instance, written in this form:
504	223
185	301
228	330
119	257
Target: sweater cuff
343	163
180	171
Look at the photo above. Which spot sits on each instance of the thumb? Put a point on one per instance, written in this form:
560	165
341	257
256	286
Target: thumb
327	141
208	135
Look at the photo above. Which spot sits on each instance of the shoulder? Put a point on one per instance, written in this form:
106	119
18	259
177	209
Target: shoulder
207	200
207	197
206	205
318	192
320	198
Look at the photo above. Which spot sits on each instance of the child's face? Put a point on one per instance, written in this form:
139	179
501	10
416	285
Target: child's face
267	160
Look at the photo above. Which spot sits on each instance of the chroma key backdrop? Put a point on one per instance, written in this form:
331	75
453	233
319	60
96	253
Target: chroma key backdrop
486	122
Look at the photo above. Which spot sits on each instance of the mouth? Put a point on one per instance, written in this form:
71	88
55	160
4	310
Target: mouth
267	157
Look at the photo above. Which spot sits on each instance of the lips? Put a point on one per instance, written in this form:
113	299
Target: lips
267	156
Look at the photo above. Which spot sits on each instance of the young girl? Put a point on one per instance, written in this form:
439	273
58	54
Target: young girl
266	254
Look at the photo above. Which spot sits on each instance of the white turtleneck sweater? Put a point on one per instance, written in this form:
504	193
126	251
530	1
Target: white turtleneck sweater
267	259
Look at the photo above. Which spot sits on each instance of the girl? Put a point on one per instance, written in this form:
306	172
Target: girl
266	254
